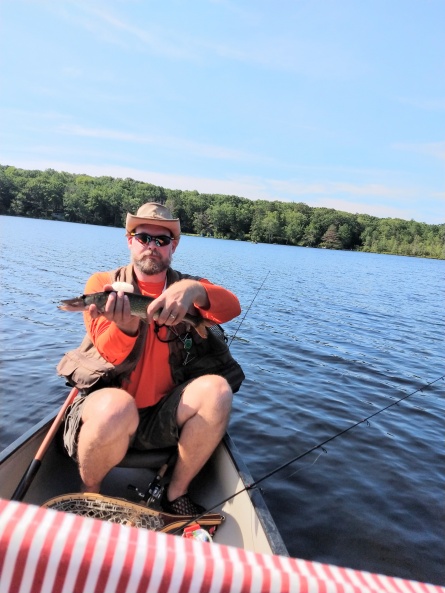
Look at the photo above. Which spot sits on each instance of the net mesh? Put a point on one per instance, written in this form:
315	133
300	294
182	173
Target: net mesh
123	512
105	509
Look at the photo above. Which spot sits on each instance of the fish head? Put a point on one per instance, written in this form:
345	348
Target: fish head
76	304
83	302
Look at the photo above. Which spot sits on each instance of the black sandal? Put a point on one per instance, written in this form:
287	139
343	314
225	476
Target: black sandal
183	505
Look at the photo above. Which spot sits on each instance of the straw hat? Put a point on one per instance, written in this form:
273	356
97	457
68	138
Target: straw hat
154	213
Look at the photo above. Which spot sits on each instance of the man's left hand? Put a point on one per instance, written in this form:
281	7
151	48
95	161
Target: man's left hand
177	300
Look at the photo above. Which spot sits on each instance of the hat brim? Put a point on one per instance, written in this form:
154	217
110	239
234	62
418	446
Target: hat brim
172	225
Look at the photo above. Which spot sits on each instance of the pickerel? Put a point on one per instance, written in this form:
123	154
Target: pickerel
138	306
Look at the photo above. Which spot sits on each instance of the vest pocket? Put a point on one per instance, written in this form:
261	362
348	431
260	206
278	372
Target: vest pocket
83	371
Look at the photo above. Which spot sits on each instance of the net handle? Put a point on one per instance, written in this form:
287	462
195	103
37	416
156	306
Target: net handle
35	464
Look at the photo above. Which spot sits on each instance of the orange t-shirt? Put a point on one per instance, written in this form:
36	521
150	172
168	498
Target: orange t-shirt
151	379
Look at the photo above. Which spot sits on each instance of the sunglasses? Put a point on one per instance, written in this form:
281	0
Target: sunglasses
146	239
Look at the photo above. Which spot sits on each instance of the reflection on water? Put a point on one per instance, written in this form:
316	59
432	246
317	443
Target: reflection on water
331	338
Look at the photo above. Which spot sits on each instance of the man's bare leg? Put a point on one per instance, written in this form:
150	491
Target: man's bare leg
203	415
110	418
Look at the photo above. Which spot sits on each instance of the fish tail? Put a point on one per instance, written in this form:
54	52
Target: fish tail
202	325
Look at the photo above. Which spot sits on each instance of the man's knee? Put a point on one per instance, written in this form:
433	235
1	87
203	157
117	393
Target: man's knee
110	405
210	392
222	392
216	383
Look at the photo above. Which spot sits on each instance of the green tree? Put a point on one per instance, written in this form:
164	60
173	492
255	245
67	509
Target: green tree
294	226
7	191
38	197
266	222
202	224
271	226
221	217
331	239
106	200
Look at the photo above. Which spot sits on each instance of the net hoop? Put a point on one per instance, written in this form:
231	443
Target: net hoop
124	512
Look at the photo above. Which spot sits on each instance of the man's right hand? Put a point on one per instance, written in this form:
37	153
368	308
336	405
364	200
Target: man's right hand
118	311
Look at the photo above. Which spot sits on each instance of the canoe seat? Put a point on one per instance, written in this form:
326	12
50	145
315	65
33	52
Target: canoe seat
152	459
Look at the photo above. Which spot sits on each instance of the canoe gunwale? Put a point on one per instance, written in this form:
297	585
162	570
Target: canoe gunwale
43	425
273	535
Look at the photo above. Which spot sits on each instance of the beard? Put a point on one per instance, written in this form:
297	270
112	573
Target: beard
150	267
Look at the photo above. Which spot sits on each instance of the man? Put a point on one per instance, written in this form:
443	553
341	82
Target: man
135	402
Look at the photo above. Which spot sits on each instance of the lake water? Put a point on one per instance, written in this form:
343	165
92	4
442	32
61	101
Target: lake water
329	339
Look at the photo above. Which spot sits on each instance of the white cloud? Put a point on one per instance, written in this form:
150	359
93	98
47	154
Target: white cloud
378	200
102	23
170	142
280	53
379	210
424	104
339	188
433	149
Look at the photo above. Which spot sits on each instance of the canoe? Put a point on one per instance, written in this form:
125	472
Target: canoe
247	523
43	550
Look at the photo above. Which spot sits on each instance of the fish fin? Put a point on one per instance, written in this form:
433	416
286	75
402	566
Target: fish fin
202	326
201	329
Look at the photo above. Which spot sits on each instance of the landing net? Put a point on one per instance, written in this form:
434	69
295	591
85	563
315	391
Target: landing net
123	512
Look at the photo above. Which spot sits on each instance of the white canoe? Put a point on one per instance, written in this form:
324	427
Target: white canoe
248	523
47	551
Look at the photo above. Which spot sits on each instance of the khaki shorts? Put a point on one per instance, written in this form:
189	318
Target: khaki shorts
157	424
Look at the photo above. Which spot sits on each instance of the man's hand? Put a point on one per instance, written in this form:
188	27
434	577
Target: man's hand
117	310
176	301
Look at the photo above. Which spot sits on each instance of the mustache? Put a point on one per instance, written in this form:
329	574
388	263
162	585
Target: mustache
151	253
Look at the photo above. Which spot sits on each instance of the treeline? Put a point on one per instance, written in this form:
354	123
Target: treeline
106	200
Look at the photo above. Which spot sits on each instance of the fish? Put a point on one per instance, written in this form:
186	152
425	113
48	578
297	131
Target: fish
138	306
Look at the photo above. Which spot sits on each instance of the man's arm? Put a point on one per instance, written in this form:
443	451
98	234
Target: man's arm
114	332
186	296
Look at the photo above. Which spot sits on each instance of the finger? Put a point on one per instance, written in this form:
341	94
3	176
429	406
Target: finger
154	309
93	311
110	305
126	308
121	308
163	317
172	319
114	307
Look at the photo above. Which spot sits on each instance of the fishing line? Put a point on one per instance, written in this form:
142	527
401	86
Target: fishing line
342	432
314	448
303	468
249	307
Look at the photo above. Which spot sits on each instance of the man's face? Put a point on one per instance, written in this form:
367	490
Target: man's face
147	257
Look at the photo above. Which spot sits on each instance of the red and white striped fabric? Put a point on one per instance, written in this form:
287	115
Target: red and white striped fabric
44	551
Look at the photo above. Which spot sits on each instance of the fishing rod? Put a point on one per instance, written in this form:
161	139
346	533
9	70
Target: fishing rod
248	308
314	448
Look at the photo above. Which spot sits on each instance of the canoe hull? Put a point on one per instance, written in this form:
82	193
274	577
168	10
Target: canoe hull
248	523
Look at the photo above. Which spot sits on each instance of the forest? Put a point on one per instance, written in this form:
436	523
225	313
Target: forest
105	201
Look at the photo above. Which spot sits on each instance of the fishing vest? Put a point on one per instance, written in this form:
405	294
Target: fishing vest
190	355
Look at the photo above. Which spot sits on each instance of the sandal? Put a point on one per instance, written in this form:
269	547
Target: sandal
183	505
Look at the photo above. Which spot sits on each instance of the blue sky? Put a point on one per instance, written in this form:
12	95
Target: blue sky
331	103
